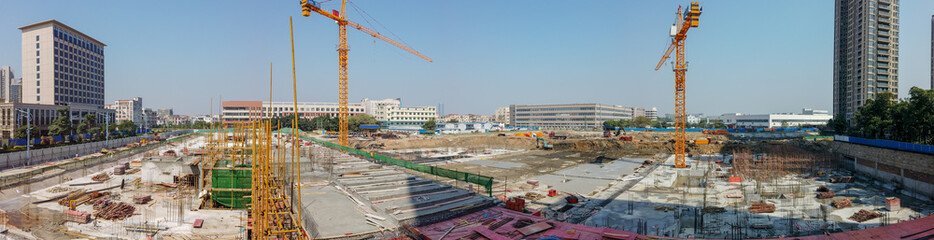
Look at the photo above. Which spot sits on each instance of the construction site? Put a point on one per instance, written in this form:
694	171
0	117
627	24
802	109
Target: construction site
268	179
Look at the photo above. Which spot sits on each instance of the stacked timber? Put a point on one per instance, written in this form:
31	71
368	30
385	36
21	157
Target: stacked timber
101	177
76	216
110	210
842	203
864	215
142	199
826	195
758	207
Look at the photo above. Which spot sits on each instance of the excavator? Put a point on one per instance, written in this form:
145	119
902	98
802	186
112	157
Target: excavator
541	143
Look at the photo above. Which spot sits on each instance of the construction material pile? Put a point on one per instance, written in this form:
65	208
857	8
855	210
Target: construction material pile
111	210
101	177
761	208
76	216
142	199
80	197
66	201
864	215
59	189
844	179
841	203
823	189
826	195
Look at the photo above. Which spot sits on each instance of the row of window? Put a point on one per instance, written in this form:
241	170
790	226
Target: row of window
77	41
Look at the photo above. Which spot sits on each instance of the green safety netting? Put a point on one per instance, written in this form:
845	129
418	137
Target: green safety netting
287	130
484	181
231	179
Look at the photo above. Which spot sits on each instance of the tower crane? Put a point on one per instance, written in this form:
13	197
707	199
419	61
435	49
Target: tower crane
683	22
342	49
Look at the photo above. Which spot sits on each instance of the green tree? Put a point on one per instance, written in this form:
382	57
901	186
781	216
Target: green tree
127	126
784	123
354	122
718	124
610	124
325	122
838	124
641	121
200	125
87	124
21	132
62	124
453	121
875	118
429	125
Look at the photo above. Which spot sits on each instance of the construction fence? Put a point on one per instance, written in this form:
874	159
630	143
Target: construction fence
37	172
903	146
486	182
38	156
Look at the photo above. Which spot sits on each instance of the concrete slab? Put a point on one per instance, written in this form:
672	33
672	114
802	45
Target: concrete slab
331	213
496	164
611	170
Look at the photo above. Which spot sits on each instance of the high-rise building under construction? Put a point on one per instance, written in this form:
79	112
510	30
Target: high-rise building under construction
865	52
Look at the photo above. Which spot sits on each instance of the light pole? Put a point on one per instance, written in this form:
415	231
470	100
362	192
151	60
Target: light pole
28	128
107	130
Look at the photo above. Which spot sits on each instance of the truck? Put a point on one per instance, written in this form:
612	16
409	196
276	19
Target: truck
555	135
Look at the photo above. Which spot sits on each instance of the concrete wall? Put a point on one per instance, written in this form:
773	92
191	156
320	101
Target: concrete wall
912	171
38	156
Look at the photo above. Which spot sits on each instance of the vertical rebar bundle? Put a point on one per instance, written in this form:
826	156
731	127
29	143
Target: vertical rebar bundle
777	161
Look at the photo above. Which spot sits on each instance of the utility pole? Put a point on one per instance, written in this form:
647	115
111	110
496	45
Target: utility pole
107	130
28	138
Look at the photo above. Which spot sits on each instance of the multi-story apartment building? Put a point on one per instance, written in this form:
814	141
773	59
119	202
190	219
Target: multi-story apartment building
61	65
652	114
129	110
388	112
502	116
410	117
164	112
244	111
586	116
865	52
7	81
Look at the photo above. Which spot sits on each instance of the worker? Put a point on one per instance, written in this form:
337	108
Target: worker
122	182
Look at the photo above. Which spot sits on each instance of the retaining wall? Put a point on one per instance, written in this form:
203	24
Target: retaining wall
910	170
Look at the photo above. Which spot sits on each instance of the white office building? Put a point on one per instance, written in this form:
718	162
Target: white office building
807	117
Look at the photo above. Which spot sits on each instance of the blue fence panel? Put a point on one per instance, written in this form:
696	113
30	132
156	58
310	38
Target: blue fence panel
58	138
920	148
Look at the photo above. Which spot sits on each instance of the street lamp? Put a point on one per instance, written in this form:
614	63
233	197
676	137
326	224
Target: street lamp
28	117
107	130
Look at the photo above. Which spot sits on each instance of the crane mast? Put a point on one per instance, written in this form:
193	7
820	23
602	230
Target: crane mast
678	34
342	49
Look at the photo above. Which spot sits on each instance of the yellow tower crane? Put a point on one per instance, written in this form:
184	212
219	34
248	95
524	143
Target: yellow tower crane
683	22
342	49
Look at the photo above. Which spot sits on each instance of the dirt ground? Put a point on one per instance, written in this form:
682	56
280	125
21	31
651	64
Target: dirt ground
579	148
643	143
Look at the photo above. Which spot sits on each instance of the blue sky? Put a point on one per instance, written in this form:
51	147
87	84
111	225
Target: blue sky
746	56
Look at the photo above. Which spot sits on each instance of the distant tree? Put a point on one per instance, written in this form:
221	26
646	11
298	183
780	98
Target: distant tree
838	124
429	125
784	123
875	117
200	124
21	132
127	126
641	121
354	122
62	124
325	122
452	121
